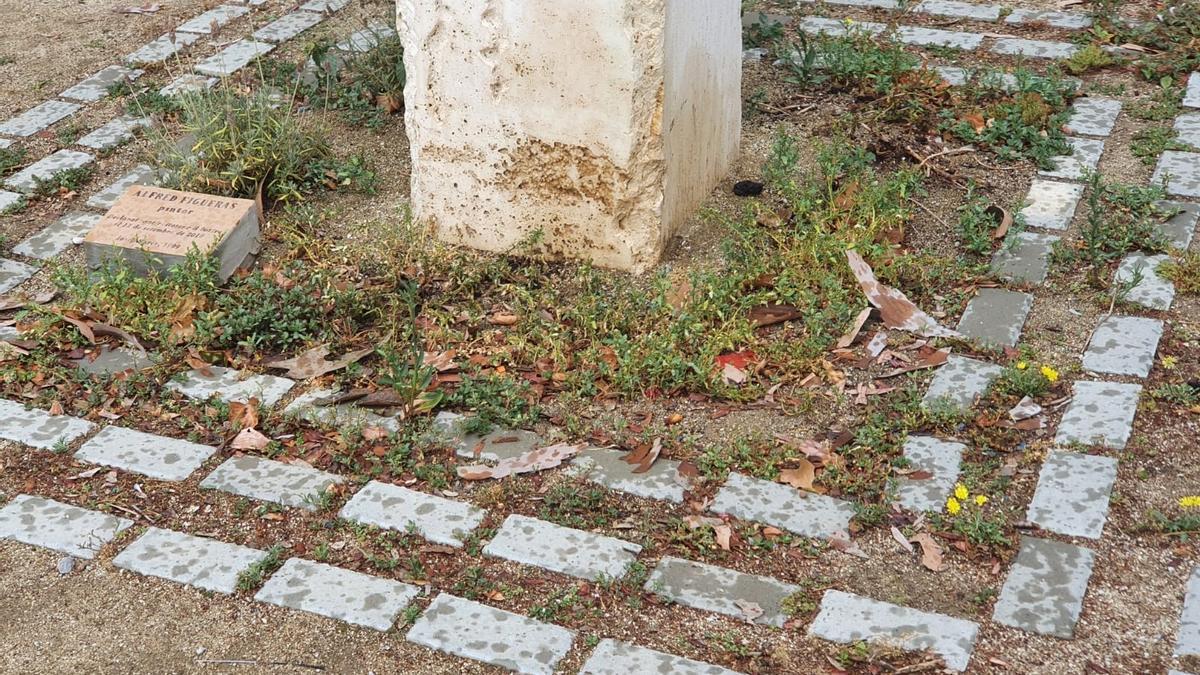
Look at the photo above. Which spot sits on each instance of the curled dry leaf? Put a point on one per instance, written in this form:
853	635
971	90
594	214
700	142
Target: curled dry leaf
1003	217
731	374
801	477
900	539
931	552
534	460
249	439
860	320
840	541
312	363
503	319
751	611
897	311
1025	409
244	414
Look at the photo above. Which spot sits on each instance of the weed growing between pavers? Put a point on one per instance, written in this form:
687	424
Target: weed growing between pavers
1171	38
366	87
11	159
67	180
1120	218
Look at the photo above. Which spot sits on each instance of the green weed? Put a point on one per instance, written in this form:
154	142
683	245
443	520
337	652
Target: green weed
252	577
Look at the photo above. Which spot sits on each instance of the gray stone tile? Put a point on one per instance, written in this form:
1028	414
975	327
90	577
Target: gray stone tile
1179	228
1051	204
109	361
1068	20
95	87
365	39
1188	641
1093	116
490	447
717	589
41	116
1072	492
115	132
9	333
847	618
955	77
1191	97
941	458
142	174
13	273
4	143
1045	587
1181	171
1025	258
1123	345
215	18
959	10
995	317
26	180
324	5
1083	160
161	48
206	564
1153	290
879	4
333	592
606	467
805	513
1101	413
188	83
9	200
39	429
934	37
576	553
817	25
288	26
341	416
147	454
960	382
1040	49
59	527
229	386
440	520
622	658
270	481
233	58
1187	126
57	236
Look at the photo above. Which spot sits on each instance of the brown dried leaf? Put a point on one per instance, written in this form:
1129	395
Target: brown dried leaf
848	339
245	415
1005	218
896	310
312	363
931	552
769	315
750	610
723	535
840	541
900	539
503	319
534	460
650	457
249	439
801	477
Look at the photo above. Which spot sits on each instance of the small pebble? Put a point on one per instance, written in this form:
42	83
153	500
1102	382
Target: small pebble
77	240
66	566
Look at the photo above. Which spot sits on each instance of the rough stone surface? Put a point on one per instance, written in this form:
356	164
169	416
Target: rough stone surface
333	592
59	527
1123	345
717	589
959	10
1191	97
847	618
605	467
1084	159
995	317
576	553
288	26
1025	259
603	125
150	455
1040	49
207	564
96	86
58	236
1153	290
805	513
233	58
1072	494
38	428
934	37
960	382
27	179
1182	171
9	200
162	48
39	117
110	361
1188	641
142	174
12	273
475	631
1045	587
1101	413
1051	204
270	481
229	386
1187	126
115	132
217	17
188	83
1068	20
440	520
1179	229
1093	116
621	658
941	458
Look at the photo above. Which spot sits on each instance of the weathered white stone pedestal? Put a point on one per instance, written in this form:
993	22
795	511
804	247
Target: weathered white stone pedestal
603	123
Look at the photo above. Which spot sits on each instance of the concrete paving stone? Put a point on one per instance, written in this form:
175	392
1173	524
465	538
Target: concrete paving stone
206	564
27	179
1084	159
606	467
288	26
1101	413
155	456
960	382
57	236
215	18
1179	228
1187	126
622	658
954	76
9	200
568	551
717	589
475	631
270	481
1010	82
440	520
995	317
233	58
188	83
365	39
805	513
959	10
1152	290
13	273
941	458
1123	345
95	87
336	593
1181	171
324	5
1041	49
1068	20
110	361
1188	641
1191	97
230	386
493	446
1025	258
41	116
161	48
115	132
142	174
847	618
39	429
9	333
934	37
1072	494
818	25
1051	204
4	143
1093	116
878	4
70	530
1045	587
342	416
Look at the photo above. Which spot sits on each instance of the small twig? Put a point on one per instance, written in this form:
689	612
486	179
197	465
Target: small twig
926	210
919	667
256	662
943	153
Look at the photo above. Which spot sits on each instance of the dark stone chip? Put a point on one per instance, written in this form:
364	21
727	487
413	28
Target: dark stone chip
747	188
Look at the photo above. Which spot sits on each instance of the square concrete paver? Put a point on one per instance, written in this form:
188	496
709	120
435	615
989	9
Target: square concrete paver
162	48
1093	116
475	631
115	132
1051	204
1084	159
150	455
1123	345
288	26
960	382
59	527
576	553
211	20
959	10
1038	49
1187	643
1187	127
142	174
233	58
57	236
95	87
819	25
1181	170
39	117
1068	20
270	481
807	514
847	618
333	592
1191	97
229	386
1025	259
1045	587
38	428
606	467
1072	493
9	200
188	83
365	39
934	37
13	273
206	564
27	179
1101	413
995	317
324	5
878	4
942	459
112	360
344	415
1152	290
721	590
440	520
622	658
1179	228
493	446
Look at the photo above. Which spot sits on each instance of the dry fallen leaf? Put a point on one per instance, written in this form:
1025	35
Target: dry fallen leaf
534	460
896	310
312	363
840	541
731	374
801	477
848	339
900	539
931	553
249	439
750	610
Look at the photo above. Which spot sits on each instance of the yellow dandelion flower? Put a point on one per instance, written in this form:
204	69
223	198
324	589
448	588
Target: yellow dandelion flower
952	506
960	491
1021	365
1169	362
1050	374
980	500
1190	502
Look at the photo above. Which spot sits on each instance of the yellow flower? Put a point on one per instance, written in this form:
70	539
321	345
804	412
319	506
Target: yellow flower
960	491
952	506
1190	502
980	500
1021	365
1169	362
1050	374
